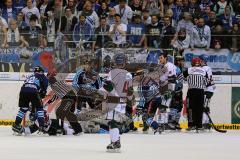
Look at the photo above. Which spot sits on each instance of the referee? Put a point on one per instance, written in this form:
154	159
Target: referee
196	79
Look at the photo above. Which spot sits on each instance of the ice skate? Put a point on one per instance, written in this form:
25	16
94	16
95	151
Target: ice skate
17	130
114	147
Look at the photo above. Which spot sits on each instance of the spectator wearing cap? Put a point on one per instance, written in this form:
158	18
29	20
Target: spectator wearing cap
111	18
136	7
181	42
227	19
153	32
103	10
30	10
124	11
91	16
9	11
201	35
33	34
13	37
136	32
213	21
186	22
146	18
118	31
20	22
101	36
82	31
154	6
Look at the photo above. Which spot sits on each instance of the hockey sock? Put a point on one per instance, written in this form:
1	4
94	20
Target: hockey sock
152	123
22	111
114	134
40	116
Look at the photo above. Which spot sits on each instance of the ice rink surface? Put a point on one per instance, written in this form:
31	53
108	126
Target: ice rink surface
166	146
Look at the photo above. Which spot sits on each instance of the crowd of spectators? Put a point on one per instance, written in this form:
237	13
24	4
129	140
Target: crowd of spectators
164	24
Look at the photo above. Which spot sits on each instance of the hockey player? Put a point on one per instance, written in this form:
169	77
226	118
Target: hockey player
119	81
209	90
52	127
196	79
167	84
86	79
32	91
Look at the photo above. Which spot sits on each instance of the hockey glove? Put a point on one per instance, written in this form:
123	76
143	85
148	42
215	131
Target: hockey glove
108	86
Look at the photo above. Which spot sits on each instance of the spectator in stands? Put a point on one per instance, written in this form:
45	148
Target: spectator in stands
104	10
82	32
95	5
124	11
194	8
69	20
169	5
3	31
9	11
169	13
58	9
167	33
136	31
20	22
50	28
118	31
236	7
227	19
136	7
177	11
19	4
111	18
186	22
91	16
213	21
185	7
34	35
101	36
181	42
153	32
146	18
204	4
154	6
206	13
220	38
42	9
72	5
219	7
201	35
235	38
13	37
30	10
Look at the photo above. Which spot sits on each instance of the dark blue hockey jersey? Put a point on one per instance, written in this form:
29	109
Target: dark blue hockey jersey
35	83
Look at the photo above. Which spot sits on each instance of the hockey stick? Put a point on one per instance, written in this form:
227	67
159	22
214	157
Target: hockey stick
214	127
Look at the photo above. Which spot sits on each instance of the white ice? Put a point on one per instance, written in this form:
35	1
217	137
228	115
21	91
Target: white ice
167	146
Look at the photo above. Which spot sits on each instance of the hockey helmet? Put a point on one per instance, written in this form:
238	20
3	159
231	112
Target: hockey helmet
38	69
196	61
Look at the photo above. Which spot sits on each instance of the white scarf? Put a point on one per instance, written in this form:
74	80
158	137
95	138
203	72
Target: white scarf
17	35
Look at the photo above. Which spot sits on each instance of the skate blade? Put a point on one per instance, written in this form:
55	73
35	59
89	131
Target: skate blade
113	150
17	134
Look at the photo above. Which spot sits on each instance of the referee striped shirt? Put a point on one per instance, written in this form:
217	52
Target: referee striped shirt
60	88
196	78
